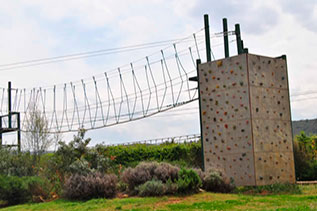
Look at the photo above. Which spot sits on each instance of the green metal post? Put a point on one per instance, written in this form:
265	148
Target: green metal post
9	105
242	45
238	38
19	132
225	37
0	132
198	62
246	50
207	38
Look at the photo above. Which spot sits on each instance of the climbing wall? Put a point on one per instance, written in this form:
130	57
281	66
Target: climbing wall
246	119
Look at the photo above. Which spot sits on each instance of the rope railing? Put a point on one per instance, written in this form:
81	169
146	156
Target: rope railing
176	139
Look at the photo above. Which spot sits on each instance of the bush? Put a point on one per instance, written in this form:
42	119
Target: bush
14	163
147	171
188	181
170	187
165	172
200	173
39	189
305	157
134	177
13	190
95	185
80	166
151	188
214	181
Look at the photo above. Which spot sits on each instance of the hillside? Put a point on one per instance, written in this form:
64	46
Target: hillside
308	126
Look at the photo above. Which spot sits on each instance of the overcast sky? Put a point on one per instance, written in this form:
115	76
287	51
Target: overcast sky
33	29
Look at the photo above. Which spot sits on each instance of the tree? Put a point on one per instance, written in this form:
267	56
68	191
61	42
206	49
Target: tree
37	136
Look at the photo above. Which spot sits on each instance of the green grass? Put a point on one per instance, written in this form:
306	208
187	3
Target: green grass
307	200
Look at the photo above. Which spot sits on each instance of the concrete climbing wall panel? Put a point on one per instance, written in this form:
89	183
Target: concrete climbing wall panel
245	118
226	119
271	120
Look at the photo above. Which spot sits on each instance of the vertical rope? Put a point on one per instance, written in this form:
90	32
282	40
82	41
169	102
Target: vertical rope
75	109
136	85
165	84
110	97
86	105
150	92
179	64
196	46
169	76
153	80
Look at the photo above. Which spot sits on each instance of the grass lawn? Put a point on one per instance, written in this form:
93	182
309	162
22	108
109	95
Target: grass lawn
202	201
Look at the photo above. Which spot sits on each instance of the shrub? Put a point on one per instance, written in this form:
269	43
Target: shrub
165	172
80	166
135	177
200	173
13	190
38	188
305	157
188	181
147	171
94	185
151	188
14	163
214	181
170	187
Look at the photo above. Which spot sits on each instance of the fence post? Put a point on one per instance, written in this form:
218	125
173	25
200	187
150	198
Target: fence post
0	132
19	131
9	105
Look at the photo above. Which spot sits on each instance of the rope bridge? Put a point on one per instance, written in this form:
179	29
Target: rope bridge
139	89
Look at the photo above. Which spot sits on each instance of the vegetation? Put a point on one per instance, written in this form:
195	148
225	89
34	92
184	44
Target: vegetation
305	154
188	181
215	181
270	189
84	187
76	172
187	155
201	201
38	140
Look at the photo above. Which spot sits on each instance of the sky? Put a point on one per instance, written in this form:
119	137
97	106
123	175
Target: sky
35	29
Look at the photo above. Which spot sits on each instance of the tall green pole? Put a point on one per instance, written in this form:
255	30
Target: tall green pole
198	62
19	131
0	132
207	38
225	36
238	38
9	105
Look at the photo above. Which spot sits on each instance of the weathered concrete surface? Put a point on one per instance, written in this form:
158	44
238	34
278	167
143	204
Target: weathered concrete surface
246	119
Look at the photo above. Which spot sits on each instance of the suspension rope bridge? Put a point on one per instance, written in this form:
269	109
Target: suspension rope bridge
140	89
